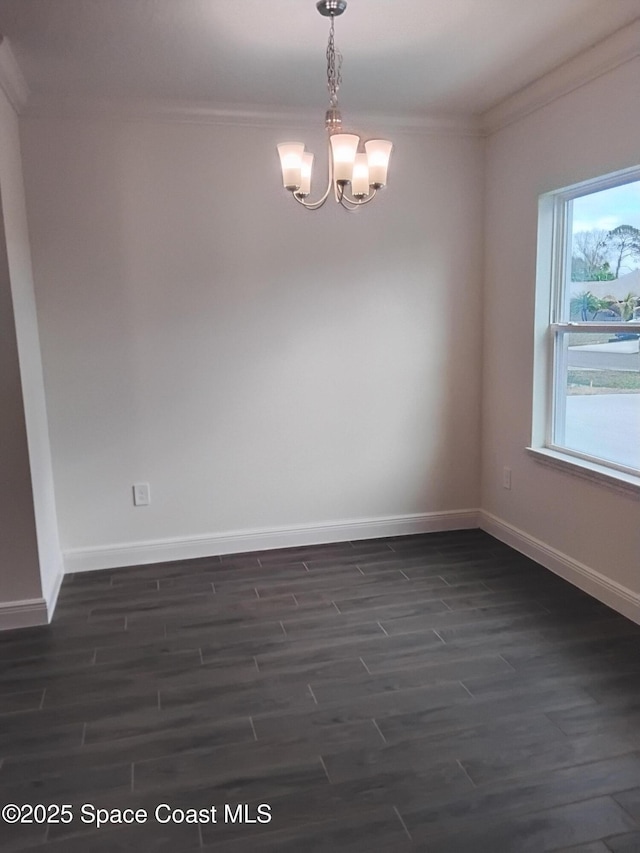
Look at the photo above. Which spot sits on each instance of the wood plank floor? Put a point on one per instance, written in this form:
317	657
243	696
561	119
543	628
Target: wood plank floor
426	693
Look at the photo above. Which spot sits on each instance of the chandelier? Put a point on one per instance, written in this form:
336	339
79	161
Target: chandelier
355	176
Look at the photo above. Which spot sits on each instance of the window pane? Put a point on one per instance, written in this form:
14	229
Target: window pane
598	400
604	276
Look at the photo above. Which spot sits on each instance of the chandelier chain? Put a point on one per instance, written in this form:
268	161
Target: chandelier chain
334	66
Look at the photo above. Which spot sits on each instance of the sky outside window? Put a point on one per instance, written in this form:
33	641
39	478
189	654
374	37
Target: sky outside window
605	210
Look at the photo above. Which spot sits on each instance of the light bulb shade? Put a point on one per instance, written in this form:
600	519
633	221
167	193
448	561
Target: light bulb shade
305	174
360	177
378	154
343	151
291	154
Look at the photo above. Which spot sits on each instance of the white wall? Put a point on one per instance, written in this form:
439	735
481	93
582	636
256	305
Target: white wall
259	365
592	131
30	557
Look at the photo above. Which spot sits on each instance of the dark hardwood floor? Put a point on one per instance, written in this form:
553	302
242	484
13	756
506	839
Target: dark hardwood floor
436	693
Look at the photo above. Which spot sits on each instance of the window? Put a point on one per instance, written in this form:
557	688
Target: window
589	265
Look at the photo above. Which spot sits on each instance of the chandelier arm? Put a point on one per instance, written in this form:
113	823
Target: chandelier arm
345	200
314	205
348	208
351	208
311	205
342	200
366	200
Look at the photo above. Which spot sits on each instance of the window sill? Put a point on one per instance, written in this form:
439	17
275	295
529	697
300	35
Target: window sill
628	484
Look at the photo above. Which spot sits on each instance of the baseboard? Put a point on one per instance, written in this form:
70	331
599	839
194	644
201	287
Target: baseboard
23	614
51	595
188	548
31	612
611	593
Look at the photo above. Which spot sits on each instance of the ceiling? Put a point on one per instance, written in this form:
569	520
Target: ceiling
406	57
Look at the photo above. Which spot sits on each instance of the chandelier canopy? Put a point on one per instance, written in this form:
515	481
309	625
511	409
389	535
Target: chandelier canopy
355	176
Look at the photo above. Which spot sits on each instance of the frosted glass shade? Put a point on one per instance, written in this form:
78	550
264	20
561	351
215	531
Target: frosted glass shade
343	148
360	177
291	155
378	154
305	174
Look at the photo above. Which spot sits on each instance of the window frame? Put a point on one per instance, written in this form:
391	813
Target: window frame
555	216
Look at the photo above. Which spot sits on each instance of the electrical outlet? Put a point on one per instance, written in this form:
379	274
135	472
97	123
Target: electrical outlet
141	494
506	477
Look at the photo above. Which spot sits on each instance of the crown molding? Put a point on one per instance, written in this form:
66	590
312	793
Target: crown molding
608	54
72	107
12	82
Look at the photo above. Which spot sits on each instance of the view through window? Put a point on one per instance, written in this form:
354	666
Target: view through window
597	326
